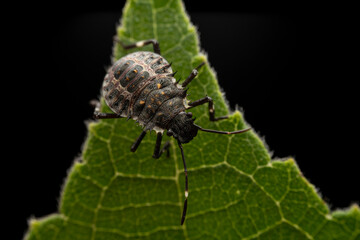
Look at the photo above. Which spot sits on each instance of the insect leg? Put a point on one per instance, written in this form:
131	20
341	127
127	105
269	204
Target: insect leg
193	74
99	115
142	43
157	151
211	107
138	141
186	184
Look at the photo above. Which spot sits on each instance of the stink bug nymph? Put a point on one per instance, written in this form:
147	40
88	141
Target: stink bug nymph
141	86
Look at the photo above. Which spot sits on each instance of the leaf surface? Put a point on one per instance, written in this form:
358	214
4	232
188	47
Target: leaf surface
235	190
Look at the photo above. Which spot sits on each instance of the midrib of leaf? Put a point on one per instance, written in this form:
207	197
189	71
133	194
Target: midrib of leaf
173	145
153	10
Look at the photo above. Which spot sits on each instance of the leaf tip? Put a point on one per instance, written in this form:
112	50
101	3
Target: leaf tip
199	59
355	208
33	223
77	165
92	126
192	29
352	211
237	115
290	161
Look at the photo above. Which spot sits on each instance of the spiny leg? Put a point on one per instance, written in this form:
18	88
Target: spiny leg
211	107
142	43
192	75
157	151
186	184
99	115
138	141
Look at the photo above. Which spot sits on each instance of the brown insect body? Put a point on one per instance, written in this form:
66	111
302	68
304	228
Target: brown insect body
141	86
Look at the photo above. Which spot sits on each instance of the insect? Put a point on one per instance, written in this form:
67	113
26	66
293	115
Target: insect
141	86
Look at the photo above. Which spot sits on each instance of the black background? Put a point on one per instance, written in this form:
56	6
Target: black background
289	67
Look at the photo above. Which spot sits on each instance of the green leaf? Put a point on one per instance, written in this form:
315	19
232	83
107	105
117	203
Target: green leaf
235	190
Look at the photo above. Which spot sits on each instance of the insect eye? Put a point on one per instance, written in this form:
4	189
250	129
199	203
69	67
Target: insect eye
169	133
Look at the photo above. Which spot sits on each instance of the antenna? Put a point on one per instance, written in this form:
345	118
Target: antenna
221	132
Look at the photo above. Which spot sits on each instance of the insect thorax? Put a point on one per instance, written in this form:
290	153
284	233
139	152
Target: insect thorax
140	86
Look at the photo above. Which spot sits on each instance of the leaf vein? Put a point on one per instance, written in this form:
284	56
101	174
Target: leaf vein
141	205
139	234
209	210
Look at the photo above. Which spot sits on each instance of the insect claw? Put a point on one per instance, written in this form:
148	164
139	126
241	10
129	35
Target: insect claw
200	65
183	94
172	74
167	66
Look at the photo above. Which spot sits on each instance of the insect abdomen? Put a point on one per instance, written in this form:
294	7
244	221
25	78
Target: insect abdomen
132	78
156	94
